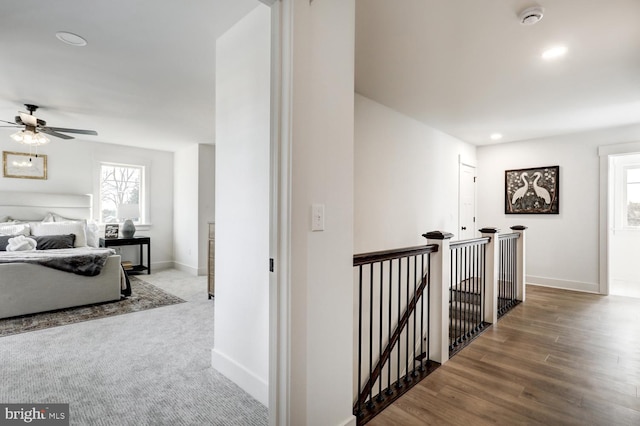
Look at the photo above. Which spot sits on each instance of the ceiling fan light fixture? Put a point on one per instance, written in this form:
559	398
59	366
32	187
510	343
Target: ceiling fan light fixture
29	137
71	39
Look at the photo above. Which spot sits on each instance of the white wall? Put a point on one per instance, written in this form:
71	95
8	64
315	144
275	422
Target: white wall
406	178
71	169
185	220
193	206
321	272
563	249
242	203
206	201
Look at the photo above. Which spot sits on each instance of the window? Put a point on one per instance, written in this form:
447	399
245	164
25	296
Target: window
121	193
632	202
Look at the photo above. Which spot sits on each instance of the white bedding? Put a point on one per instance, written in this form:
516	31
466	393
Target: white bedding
74	260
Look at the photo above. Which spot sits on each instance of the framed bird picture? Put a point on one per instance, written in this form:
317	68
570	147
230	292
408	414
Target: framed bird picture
532	191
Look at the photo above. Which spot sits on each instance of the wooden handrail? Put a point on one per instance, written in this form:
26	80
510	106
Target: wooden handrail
471	242
379	256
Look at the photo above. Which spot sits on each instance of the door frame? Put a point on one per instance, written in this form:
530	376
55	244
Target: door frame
606	153
279	212
466	162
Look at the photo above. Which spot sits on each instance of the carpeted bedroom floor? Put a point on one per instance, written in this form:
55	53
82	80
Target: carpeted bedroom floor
143	368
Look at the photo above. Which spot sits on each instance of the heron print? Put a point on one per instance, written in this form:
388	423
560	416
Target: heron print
532	190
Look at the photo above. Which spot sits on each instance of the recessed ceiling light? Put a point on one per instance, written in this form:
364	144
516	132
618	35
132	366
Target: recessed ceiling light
70	38
554	52
496	136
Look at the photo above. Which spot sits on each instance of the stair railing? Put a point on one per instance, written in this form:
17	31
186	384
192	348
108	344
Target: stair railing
508	273
393	324
418	306
467	291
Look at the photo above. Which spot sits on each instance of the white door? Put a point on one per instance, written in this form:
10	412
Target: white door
467	203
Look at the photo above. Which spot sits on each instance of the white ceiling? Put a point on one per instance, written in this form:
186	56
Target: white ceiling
465	67
146	77
469	68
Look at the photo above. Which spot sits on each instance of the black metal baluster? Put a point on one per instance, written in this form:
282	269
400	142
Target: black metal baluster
515	269
389	391
424	289
428	305
465	286
380	397
458	324
415	307
359	411
473	292
452	302
370	401
406	349
399	337
502	276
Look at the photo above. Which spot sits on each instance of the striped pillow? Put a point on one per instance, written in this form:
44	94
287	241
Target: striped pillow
12	228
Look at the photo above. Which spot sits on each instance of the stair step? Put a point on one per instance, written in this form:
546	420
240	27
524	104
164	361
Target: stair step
464	310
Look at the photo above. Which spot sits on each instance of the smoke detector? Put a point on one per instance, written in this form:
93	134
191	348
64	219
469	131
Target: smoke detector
531	15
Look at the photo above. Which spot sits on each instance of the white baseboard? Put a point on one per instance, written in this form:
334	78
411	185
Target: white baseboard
351	421
252	384
185	268
564	284
161	266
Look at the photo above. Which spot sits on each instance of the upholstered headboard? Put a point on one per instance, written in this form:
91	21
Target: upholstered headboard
35	205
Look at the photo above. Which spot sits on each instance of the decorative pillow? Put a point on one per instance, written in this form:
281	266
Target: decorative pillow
51	242
11	228
4	241
92	231
55	217
91	228
62	228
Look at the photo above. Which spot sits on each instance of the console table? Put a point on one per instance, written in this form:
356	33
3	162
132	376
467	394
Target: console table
133	241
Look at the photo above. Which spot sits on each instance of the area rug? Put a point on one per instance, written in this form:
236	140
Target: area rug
143	296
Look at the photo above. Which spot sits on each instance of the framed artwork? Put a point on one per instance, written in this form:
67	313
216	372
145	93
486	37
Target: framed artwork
23	165
532	191
111	230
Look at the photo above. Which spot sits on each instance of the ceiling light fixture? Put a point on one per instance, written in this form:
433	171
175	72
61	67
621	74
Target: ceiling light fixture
71	39
30	137
496	136
554	52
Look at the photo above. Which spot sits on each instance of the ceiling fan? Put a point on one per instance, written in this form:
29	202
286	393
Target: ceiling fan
35	127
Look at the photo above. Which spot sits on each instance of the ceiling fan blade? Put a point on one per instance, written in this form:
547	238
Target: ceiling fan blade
78	131
51	132
9	122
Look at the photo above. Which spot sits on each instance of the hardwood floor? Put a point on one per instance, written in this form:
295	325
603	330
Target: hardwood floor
560	358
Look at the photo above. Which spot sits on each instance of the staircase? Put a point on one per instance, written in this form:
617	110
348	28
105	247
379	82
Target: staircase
466	313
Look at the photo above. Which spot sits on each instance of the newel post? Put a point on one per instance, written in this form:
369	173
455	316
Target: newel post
491	274
522	262
439	296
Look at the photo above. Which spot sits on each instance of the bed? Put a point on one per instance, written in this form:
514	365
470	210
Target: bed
27	288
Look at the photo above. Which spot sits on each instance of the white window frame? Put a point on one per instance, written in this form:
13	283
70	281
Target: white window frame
624	200
144	165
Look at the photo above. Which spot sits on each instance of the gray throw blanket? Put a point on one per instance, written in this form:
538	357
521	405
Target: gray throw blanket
85	261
